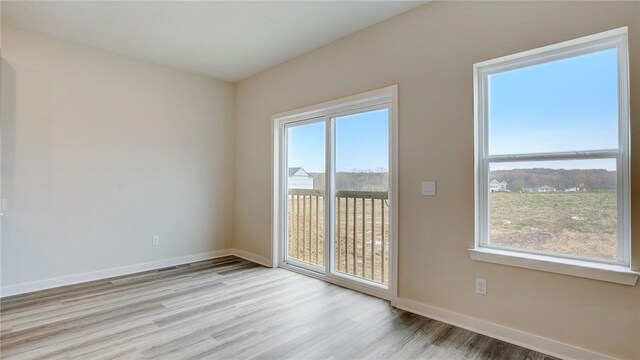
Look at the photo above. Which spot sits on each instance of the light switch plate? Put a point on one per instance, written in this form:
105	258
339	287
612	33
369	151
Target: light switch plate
429	188
481	286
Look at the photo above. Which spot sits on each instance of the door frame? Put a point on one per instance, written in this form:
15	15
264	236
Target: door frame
387	97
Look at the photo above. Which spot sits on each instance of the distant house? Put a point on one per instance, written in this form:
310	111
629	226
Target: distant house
498	186
546	189
577	188
299	179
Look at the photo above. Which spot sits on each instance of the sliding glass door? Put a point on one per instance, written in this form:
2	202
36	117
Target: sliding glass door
334	204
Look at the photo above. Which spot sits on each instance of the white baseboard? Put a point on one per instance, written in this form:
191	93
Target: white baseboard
252	257
32	286
500	332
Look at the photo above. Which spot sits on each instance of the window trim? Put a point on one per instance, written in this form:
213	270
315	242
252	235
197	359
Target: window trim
611	39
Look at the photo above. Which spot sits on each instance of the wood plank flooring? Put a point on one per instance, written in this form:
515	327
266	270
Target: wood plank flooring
227	308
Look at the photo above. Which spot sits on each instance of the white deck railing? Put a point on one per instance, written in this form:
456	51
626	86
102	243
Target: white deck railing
362	225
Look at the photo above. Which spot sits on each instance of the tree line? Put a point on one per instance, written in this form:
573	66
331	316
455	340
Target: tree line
517	179
355	181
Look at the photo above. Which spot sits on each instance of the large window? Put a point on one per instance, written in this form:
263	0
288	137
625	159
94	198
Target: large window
552	160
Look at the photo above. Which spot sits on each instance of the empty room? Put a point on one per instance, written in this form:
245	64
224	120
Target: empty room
320	180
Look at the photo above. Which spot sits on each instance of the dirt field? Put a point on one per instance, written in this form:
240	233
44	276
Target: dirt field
571	223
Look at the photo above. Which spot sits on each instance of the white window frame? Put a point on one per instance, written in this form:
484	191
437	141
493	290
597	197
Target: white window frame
327	112
616	271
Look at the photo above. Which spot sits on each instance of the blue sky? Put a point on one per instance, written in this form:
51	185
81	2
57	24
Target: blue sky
566	105
305	146
361	143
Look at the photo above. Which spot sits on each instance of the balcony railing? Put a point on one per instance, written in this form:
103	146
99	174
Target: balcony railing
361	225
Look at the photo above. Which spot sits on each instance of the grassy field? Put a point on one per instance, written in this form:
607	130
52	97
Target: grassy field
571	223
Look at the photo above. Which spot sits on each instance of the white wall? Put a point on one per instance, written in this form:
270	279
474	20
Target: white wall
429	53
100	152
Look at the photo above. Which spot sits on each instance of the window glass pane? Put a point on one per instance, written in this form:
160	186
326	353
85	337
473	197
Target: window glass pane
564	105
566	207
305	192
361	244
362	151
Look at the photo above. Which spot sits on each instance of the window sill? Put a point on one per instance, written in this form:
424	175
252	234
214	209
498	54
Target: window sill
585	269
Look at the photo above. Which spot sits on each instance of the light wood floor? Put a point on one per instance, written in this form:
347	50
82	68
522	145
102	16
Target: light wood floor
227	308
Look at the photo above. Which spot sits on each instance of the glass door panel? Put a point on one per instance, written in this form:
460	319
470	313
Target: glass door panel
361	240
305	191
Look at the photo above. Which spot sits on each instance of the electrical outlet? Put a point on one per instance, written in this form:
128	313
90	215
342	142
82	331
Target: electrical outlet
155	241
481	286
